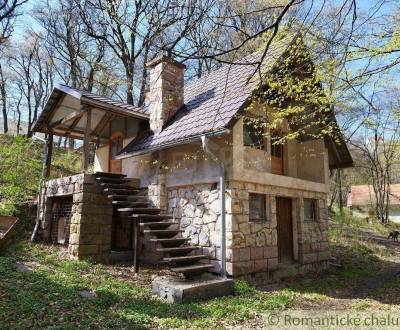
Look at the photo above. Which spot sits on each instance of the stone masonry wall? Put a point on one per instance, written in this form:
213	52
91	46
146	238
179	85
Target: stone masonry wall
91	218
251	246
254	245
197	208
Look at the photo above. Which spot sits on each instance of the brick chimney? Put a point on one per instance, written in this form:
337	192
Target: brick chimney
166	90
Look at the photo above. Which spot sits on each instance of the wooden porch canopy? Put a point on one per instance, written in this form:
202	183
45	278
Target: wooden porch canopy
78	114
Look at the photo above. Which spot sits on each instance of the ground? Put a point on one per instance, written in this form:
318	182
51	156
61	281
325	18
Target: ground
40	288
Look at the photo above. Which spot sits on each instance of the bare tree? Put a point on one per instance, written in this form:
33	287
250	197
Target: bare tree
137	31
33	76
378	150
8	12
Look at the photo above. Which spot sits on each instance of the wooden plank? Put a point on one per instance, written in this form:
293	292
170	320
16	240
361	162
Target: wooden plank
72	116
103	124
87	139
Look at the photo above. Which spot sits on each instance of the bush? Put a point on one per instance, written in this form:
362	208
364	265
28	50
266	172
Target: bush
21	170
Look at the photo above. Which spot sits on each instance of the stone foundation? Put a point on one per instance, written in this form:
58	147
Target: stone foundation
252	247
91	217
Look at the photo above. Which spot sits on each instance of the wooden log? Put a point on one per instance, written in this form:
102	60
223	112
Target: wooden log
86	140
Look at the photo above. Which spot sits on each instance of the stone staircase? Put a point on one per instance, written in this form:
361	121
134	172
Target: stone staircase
133	202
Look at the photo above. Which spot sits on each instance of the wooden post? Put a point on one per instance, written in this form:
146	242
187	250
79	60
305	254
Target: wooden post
49	153
86	140
135	244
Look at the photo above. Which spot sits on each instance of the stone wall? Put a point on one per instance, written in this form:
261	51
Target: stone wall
197	208
252	247
91	218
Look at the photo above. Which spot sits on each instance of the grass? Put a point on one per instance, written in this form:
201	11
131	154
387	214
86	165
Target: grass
48	296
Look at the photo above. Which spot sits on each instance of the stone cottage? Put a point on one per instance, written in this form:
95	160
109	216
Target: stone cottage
186	173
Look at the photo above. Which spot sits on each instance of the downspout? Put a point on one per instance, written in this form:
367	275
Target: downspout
204	141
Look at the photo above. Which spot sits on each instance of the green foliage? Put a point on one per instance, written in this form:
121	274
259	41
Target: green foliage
21	168
49	296
294	102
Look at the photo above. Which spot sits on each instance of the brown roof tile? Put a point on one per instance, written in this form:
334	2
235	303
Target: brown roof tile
211	102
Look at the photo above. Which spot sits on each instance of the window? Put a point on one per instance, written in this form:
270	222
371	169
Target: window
310	209
253	136
257	207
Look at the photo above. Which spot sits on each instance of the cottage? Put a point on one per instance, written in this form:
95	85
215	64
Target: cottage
362	198
188	174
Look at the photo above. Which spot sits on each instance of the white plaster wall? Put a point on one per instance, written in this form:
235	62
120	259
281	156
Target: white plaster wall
101	159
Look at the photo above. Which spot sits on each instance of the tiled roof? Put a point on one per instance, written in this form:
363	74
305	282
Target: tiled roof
103	102
106	100
364	195
211	102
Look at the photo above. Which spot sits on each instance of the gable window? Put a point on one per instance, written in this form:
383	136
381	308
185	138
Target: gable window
257	207
310	209
253	136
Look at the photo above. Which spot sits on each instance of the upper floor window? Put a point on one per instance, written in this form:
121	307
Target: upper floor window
310	209
257	207
253	135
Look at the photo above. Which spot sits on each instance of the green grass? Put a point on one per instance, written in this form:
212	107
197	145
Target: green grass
49	297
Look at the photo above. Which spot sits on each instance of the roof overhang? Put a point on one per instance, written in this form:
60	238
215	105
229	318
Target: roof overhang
172	144
65	113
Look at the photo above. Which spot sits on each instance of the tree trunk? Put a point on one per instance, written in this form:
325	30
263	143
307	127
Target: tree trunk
339	182
3	94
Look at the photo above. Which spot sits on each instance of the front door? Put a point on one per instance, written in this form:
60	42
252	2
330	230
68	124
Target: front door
285	230
116	143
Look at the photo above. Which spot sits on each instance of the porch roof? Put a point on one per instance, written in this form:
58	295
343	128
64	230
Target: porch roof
66	110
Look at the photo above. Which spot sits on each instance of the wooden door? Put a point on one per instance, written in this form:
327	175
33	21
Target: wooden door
276	158
285	229
116	144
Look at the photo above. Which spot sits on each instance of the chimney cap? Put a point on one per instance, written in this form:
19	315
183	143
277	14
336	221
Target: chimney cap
164	58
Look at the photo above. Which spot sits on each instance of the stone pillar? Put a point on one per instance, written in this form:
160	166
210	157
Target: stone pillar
157	190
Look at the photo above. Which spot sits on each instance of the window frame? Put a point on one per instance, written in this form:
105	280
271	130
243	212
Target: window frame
264	217
252	132
315	208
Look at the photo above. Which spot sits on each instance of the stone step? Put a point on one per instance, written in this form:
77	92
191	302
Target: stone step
148	216
114	191
140	211
186	259
131	181
158	224
127	198
109	175
178	251
122	185
163	233
143	210
189	271
170	242
132	205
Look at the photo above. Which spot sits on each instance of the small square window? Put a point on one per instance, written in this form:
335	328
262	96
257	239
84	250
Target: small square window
257	207
253	135
310	209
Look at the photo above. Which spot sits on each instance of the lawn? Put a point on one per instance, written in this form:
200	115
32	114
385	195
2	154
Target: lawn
40	288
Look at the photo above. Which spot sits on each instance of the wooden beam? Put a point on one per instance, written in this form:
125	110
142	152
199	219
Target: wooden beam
54	107
72	116
102	124
86	140
49	154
